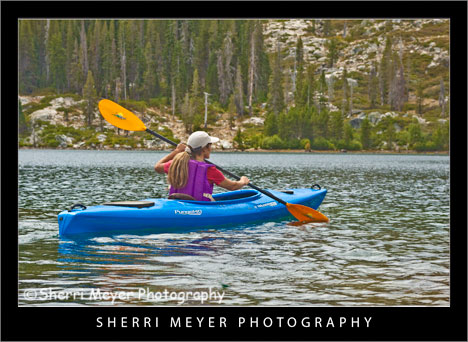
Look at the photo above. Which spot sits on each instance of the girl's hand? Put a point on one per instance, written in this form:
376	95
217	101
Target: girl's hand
180	148
244	180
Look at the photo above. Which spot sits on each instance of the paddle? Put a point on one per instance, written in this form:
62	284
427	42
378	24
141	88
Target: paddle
122	118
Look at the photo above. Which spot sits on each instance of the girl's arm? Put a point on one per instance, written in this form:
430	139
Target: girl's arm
159	166
234	185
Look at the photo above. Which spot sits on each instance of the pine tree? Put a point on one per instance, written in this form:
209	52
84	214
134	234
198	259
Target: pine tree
310	84
95	54
239	140
275	98
57	60
69	48
113	61
264	71
419	96
90	96
253	68
201	51
225	73
442	98
373	86
348	134
385	72
239	92
336	126
322	101
332	54
415	133
390	134
271	124
365	134
196	96
28	58
22	125
150	79
398	90
300	96
46	55
330	83
345	101
298	64
83	50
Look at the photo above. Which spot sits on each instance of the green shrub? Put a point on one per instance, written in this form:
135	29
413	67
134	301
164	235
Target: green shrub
426	146
33	106
273	142
44	92
305	144
354	145
139	106
158	102
253	141
321	143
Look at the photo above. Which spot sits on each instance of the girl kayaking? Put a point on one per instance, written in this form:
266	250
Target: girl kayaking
188	174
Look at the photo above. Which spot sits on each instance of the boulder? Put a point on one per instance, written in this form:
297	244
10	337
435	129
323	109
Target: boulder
254	120
355	123
375	117
357	112
332	107
421	120
225	144
101	138
34	138
64	140
46	114
352	82
64	102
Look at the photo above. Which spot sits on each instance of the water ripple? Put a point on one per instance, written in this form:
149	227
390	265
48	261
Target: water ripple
387	243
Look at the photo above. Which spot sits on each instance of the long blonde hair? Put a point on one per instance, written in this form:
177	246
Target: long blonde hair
179	169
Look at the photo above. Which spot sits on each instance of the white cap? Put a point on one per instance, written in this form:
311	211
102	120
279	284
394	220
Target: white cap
200	139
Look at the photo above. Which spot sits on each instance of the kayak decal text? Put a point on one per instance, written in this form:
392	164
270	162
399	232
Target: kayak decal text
188	212
269	204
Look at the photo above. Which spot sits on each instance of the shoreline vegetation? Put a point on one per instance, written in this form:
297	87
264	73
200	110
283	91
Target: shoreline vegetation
297	85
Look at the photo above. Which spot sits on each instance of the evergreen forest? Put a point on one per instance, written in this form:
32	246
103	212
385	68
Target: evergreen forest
337	85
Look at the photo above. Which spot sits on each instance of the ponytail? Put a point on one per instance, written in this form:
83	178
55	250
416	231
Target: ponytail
178	171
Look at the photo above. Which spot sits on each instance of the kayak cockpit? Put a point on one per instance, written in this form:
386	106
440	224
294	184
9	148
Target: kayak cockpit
242	195
238	196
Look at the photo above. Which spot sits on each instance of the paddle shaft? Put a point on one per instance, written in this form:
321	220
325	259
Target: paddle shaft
267	193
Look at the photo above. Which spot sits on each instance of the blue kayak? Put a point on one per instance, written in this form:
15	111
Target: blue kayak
157	215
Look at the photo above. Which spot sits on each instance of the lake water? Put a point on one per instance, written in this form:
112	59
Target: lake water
387	242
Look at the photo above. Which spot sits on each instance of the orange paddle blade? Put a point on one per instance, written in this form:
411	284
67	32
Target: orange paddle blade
306	214
120	117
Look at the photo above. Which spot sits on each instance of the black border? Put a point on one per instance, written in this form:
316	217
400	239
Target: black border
388	323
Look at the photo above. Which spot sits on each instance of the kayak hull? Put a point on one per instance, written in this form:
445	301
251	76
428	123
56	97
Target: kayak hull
230	208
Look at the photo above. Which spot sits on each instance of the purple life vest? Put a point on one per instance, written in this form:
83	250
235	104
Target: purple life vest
197	183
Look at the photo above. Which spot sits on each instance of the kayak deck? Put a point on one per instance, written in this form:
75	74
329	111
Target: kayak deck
164	215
